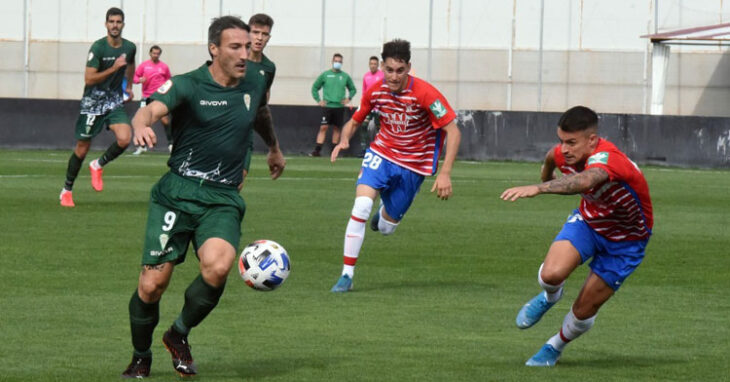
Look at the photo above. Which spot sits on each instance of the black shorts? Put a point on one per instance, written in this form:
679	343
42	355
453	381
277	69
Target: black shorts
333	116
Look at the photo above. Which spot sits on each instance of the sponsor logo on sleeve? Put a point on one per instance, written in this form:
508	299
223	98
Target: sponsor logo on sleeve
601	157
91	56
437	109
164	88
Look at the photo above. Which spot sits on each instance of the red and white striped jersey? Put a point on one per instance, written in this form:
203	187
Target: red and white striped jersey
620	208
410	124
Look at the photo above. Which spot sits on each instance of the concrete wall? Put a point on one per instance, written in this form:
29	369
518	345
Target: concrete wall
484	53
487	135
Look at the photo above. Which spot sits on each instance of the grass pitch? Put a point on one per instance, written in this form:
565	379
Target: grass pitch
436	301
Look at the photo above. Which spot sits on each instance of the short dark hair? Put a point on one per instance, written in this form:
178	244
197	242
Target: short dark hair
578	118
153	47
219	24
398	50
337	55
261	19
374	58
113	11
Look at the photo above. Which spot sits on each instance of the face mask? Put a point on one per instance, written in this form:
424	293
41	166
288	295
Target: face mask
337	65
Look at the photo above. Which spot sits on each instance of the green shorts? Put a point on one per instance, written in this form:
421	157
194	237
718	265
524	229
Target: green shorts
182	210
89	125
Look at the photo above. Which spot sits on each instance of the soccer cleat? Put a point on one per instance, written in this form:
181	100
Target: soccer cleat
140	150
96	182
182	360
374	221
532	312
138	368
315	153
546	357
344	284
67	199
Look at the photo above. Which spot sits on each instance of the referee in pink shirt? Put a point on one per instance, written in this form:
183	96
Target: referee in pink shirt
372	76
152	74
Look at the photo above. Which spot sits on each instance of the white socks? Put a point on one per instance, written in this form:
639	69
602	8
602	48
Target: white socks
572	328
553	293
385	227
355	233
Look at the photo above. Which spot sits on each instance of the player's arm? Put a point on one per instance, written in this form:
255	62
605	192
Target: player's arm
547	171
130	79
347	132
566	185
443	180
143	121
318	83
351	91
93	76
138	73
264	126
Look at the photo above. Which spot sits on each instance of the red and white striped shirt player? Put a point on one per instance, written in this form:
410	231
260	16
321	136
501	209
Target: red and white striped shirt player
608	232
415	121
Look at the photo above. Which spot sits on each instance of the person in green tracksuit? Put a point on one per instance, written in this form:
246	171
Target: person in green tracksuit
333	101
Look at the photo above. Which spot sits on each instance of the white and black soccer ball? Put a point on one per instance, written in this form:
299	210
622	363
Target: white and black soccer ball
264	265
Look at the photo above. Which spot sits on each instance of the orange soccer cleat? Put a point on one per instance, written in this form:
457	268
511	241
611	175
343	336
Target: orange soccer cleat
96	171
67	199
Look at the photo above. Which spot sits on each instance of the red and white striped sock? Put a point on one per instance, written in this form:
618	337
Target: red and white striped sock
572	328
355	233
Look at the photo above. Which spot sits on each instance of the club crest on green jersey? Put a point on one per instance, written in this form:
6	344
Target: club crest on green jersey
247	101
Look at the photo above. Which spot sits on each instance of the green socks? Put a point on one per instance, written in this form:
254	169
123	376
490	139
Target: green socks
111	153
72	171
143	318
200	299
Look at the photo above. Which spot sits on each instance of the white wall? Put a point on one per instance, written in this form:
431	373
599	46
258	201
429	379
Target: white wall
592	50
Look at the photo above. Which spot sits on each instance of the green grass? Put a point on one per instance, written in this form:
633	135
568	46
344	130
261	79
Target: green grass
436	301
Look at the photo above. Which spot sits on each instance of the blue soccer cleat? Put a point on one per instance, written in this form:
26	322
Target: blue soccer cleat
532	312
546	357
344	284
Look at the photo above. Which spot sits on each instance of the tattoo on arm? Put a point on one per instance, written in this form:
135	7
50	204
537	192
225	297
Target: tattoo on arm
264	125
575	183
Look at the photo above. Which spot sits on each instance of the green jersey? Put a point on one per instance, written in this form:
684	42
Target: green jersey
210	124
266	69
107	95
258	71
334	83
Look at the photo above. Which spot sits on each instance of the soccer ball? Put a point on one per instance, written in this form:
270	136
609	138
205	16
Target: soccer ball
264	265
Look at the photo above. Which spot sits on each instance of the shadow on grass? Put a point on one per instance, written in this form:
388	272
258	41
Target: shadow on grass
271	367
475	286
606	360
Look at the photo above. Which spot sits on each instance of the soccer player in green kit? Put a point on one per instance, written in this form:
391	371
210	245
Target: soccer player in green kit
259	67
213	110
110	59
